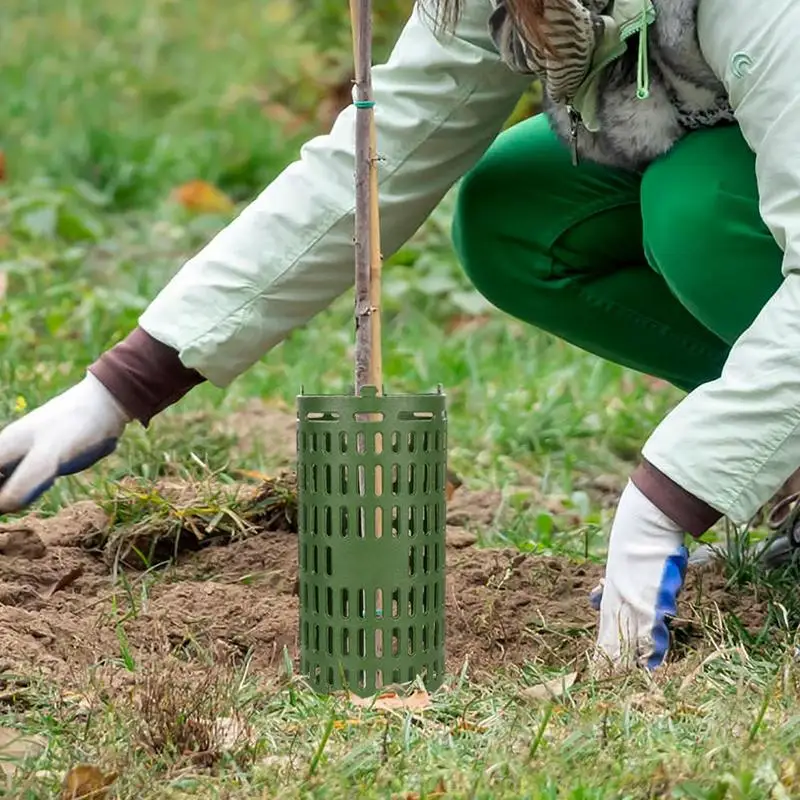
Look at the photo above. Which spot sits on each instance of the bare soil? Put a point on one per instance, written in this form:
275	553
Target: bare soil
60	608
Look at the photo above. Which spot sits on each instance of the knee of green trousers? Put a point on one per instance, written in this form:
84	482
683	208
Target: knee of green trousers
703	231
481	195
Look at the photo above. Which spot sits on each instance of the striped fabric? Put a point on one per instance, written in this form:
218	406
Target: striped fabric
630	127
571	30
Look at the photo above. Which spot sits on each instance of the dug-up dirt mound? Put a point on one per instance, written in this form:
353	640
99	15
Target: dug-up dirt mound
67	606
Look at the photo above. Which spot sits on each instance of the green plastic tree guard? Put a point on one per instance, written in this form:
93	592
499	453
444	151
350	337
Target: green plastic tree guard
371	496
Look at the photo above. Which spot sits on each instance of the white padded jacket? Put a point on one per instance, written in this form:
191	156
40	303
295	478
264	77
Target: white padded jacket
439	104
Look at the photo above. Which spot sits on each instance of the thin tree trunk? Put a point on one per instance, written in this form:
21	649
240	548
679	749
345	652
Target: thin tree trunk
368	366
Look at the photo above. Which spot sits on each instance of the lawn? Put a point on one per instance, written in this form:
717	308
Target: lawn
126	647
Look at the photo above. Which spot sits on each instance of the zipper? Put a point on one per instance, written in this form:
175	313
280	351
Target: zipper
574	124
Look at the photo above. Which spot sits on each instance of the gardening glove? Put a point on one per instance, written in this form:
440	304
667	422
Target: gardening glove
645	570
64	436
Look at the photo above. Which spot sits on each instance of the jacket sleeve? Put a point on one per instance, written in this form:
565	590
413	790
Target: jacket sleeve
440	101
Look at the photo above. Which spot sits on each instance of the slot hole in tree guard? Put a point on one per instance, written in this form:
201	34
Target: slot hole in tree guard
329	601
328	416
329	561
396	604
345	642
369	416
328	511
330	645
412	598
328	479
344	482
395	641
346	603
362	604
345	521
379	643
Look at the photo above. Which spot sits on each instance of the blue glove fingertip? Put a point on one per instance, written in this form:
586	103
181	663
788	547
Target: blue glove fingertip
88	457
667	604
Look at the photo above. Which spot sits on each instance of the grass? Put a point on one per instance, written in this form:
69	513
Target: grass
107	109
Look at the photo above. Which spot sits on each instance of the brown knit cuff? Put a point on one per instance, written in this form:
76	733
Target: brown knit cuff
691	513
144	375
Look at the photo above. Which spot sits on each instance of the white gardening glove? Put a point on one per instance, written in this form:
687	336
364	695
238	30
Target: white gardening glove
66	435
645	570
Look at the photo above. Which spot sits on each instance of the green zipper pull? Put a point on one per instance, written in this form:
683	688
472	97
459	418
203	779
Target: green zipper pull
642	70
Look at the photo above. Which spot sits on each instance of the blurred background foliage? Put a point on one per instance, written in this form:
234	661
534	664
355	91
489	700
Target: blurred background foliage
136	98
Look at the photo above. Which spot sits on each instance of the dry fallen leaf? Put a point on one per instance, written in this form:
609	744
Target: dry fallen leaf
341	724
452	485
231	732
552	689
15	747
203	198
64	581
465	726
439	791
86	782
418	700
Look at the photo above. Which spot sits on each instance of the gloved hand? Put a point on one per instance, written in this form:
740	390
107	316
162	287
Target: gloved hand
66	435
645	570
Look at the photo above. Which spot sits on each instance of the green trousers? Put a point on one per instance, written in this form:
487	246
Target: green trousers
660	273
